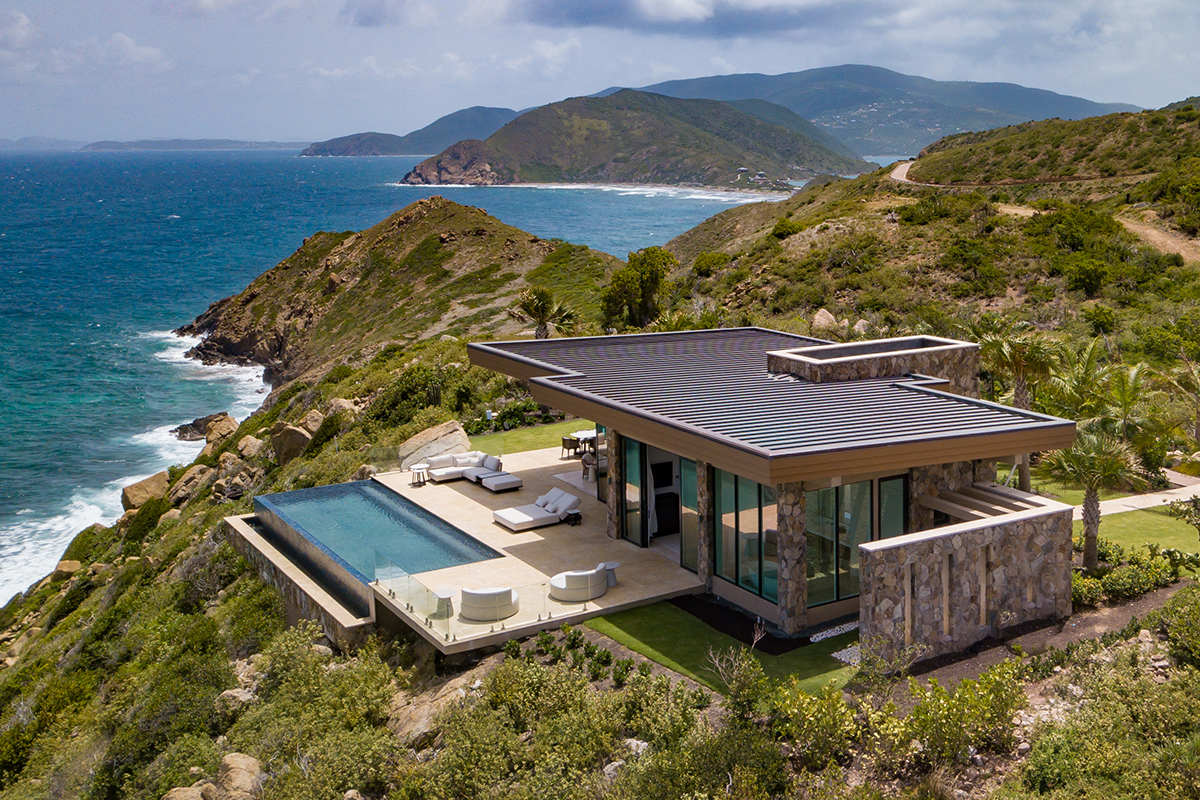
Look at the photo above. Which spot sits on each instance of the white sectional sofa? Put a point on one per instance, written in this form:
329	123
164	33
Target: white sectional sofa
579	586
469	465
549	509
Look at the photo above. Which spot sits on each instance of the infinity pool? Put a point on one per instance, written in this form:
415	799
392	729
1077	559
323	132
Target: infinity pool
364	525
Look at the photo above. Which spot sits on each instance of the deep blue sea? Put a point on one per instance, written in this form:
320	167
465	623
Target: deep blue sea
102	254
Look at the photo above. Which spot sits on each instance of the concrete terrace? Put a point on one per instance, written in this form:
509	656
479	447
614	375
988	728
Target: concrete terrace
529	559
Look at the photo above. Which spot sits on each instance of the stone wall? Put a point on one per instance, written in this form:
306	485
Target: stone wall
707	523
616	473
949	588
793	574
957	363
929	481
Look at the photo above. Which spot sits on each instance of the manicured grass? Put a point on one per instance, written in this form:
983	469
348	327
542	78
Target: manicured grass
537	437
677	640
1056	491
1137	528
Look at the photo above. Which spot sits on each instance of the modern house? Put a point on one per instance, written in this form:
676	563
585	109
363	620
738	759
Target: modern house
806	481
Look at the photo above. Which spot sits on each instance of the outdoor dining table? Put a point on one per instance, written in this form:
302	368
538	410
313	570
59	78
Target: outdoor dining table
586	438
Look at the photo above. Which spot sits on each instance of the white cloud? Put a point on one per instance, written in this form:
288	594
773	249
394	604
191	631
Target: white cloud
381	13
124	51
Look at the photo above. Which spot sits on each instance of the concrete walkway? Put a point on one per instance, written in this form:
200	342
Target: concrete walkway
1139	501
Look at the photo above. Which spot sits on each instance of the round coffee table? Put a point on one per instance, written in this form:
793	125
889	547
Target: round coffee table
419	473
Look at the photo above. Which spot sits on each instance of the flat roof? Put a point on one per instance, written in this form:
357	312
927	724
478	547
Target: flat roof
709	395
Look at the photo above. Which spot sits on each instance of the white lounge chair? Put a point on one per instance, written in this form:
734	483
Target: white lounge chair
549	509
581	585
488	605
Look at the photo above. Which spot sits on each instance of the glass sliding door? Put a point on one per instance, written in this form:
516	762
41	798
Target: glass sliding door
726	550
854	528
634	475
689	521
893	506
749	535
820	530
770	544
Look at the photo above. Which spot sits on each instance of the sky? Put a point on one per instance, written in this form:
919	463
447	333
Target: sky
307	70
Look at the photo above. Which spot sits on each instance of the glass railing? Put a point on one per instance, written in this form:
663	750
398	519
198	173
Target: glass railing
470	613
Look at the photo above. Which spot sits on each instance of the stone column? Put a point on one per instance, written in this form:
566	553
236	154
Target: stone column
793	566
707	519
616	480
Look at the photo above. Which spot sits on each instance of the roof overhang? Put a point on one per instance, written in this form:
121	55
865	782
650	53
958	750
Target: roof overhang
771	466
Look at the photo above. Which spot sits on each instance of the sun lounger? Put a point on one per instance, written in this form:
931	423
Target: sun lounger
549	509
580	585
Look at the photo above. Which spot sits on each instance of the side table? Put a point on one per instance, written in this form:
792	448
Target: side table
419	473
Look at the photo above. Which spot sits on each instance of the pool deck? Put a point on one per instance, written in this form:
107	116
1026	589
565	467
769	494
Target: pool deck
530	557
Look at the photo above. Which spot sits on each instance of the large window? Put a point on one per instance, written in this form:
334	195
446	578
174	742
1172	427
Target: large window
841	518
747	534
893	506
689	515
633	490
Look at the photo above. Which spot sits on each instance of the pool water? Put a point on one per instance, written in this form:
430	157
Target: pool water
366	525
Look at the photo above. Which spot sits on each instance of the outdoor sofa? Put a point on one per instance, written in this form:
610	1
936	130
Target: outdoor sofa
579	586
488	605
474	466
549	509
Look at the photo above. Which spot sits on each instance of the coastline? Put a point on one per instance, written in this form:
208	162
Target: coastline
32	544
697	191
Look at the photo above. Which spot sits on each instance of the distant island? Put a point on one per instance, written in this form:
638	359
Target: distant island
39	144
190	144
477	122
638	137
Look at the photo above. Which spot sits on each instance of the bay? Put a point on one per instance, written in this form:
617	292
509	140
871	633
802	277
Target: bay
102	254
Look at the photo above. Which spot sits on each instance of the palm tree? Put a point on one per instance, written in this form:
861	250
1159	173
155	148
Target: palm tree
1078	386
1096	461
536	304
1025	356
1185	377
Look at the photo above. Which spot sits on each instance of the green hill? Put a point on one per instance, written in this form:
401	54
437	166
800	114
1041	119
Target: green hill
634	137
432	268
1099	147
878	111
477	122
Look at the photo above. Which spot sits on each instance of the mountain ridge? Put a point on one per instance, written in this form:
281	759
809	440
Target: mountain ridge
476	122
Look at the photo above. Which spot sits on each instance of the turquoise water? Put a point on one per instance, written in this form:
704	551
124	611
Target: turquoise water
102	254
364	523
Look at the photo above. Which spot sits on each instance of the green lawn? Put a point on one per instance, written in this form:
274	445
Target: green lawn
537	437
1056	491
677	640
1137	528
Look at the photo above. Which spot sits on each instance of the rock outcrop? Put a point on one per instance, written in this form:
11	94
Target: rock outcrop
189	484
197	429
449	437
239	778
220	429
136	495
289	443
467	162
312	421
249	446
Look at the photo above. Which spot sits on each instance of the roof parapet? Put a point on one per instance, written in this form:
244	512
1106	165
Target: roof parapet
954	361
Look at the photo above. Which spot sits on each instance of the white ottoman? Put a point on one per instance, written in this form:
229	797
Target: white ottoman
503	482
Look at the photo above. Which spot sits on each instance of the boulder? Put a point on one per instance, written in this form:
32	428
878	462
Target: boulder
125	518
228	464
171	515
364	472
340	405
250	446
184	793
289	443
312	420
220	429
189	484
240	777
136	495
414	717
825	322
862	327
197	429
231	701
352	794
66	569
449	437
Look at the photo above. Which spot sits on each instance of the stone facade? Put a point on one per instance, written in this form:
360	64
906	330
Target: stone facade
955	362
929	481
949	588
706	513
793	566
616	478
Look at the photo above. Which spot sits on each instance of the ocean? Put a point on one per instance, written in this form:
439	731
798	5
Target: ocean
102	254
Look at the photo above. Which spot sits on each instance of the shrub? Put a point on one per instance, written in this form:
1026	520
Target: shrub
822	726
1181	619
708	263
1085	590
976	714
1102	319
1135	579
512	649
171	767
572	637
744	679
786	227
146	519
330	427
256	615
621	670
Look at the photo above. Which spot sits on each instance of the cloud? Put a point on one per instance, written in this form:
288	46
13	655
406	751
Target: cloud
27	55
122	50
381	13
549	59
